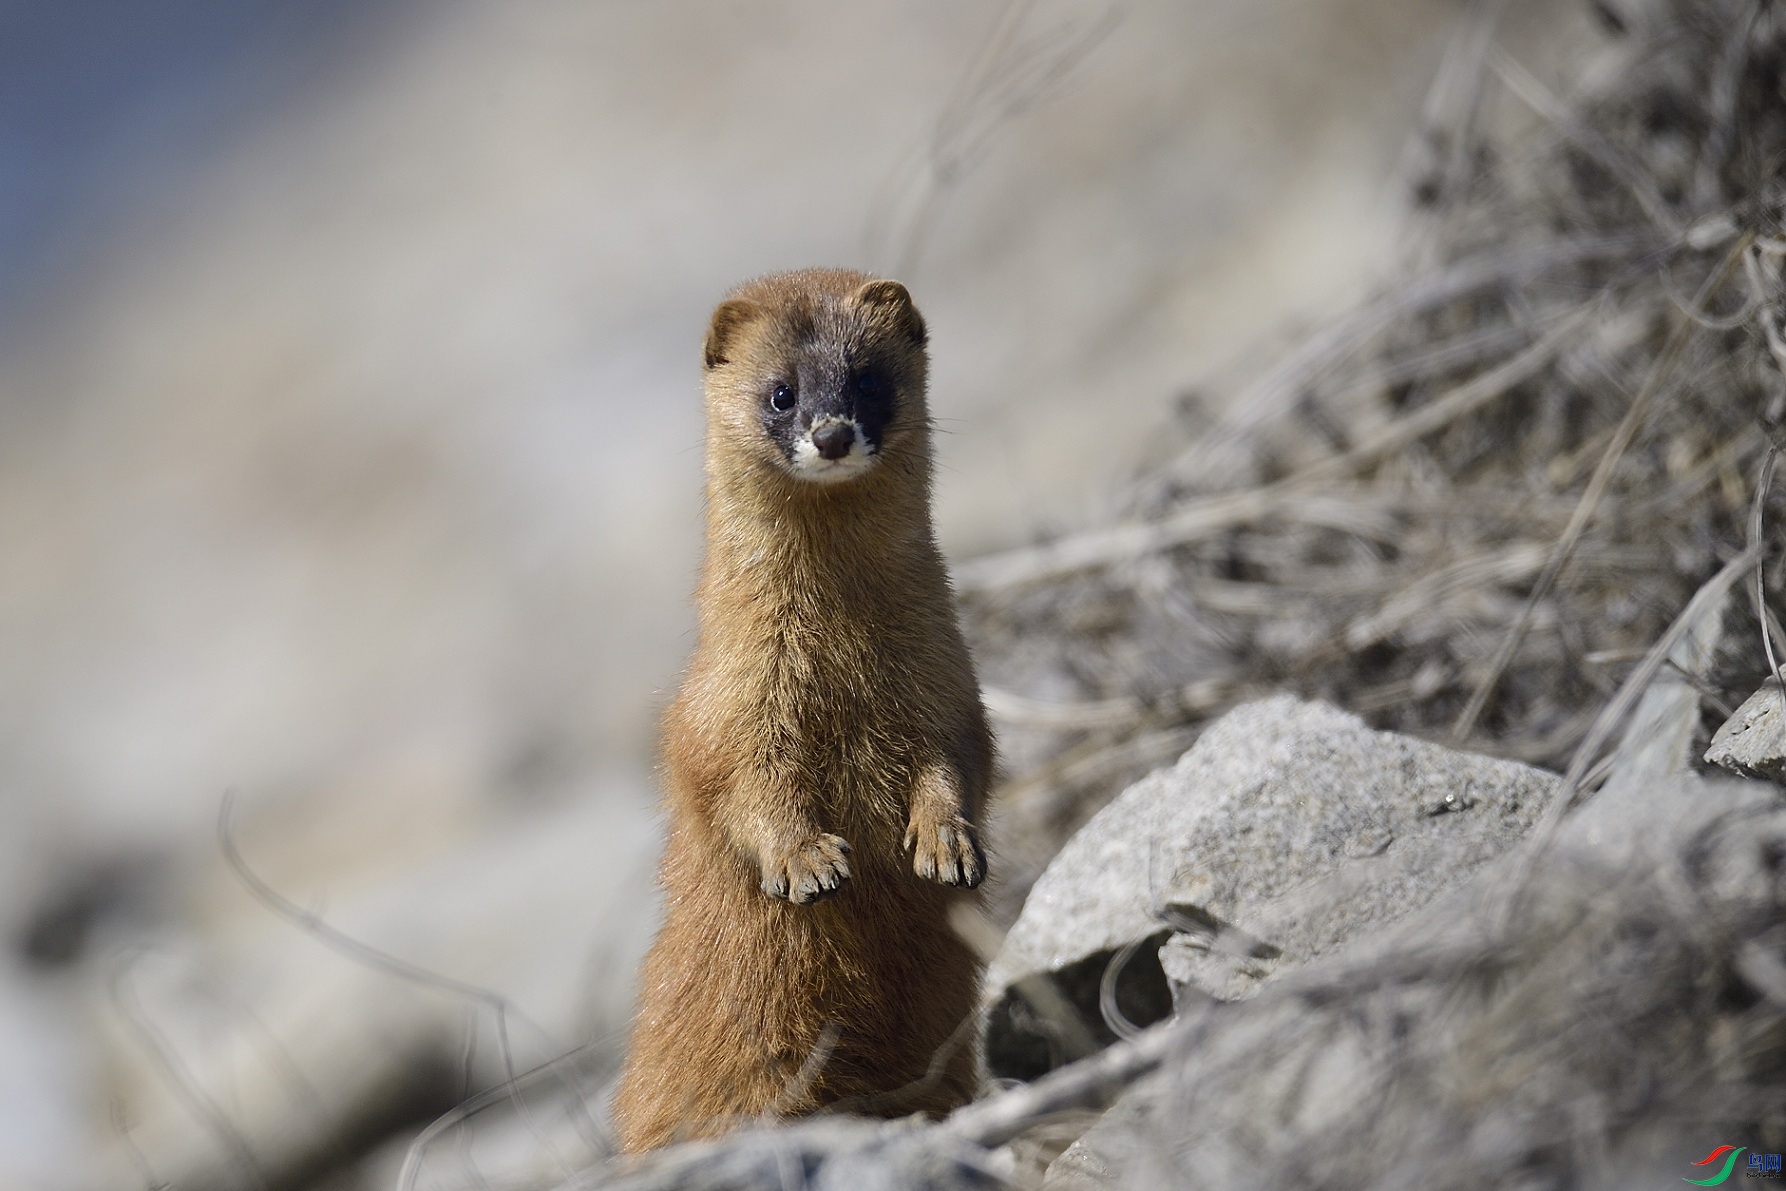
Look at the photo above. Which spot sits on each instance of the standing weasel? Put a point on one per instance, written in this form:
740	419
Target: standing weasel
827	755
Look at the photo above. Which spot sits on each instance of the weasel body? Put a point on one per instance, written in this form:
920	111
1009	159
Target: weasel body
827	755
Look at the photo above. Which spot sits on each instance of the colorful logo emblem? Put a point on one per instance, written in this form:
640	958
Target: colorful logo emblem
1729	1154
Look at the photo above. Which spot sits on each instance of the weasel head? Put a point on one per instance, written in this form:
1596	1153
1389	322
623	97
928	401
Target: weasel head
819	374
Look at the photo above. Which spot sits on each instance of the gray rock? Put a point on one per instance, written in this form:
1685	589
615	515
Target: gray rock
1288	829
1752	743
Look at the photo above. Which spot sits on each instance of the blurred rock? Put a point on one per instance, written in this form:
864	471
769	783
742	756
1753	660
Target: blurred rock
274	1057
1288	830
1752	743
47	1065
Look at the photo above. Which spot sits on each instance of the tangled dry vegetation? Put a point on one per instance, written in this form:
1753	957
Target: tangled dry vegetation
1469	508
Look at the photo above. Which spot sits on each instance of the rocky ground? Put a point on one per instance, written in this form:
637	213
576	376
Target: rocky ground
1406	970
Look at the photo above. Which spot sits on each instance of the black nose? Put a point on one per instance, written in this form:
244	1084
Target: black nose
834	439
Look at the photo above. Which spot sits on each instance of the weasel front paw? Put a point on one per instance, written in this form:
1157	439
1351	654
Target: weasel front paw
947	851
811	872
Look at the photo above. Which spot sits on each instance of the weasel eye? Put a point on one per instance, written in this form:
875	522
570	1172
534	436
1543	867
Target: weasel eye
873	388
782	398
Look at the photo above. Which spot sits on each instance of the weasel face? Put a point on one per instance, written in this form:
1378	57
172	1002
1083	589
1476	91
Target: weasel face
829	423
818	373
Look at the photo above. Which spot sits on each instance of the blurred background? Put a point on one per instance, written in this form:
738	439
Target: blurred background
350	461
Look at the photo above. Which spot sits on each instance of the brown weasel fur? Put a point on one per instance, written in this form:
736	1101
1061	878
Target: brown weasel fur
827	755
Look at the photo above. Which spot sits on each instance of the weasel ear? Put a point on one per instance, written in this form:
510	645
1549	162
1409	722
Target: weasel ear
891	300
727	319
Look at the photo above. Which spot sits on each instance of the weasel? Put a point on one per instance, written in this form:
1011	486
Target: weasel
827	755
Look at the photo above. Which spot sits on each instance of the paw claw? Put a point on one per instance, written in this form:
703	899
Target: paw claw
810	872
947	852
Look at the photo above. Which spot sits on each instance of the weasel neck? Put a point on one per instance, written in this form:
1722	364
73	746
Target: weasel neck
783	545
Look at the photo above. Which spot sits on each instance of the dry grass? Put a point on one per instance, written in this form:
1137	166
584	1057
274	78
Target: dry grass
1467	509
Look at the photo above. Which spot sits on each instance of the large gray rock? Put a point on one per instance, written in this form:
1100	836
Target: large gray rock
1289	829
